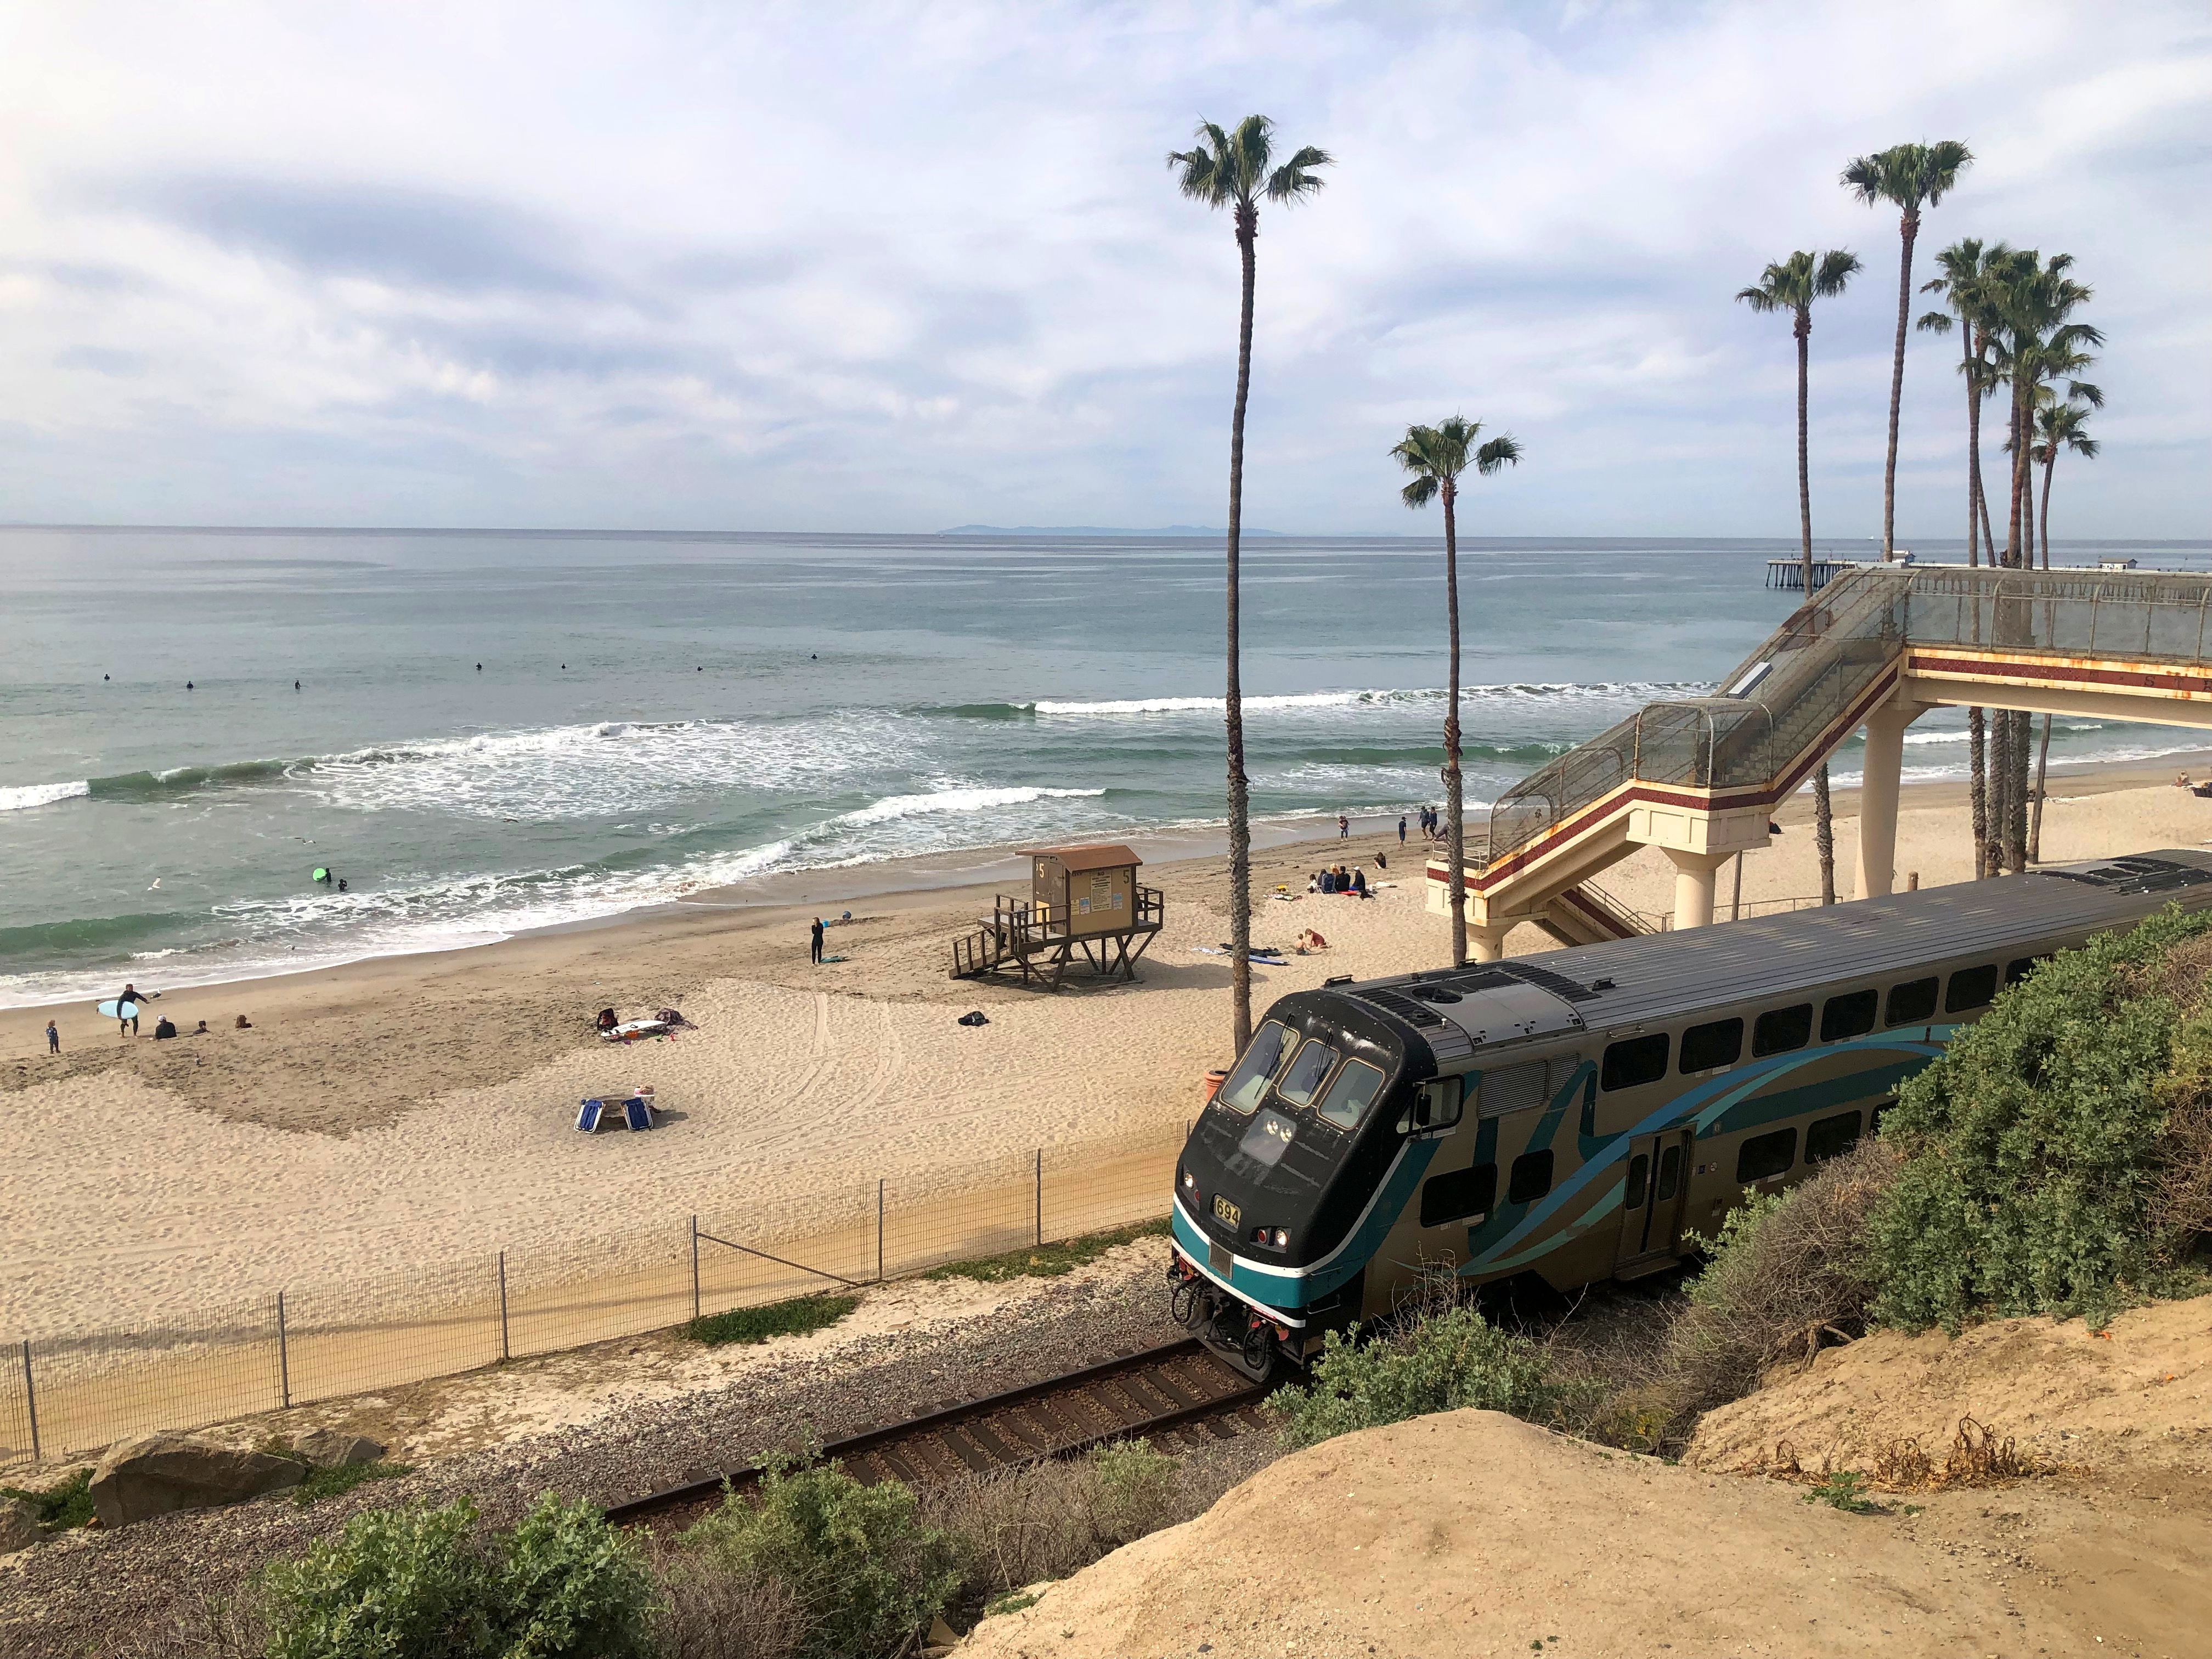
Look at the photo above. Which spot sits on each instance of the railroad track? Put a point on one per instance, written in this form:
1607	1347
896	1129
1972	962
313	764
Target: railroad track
1179	1394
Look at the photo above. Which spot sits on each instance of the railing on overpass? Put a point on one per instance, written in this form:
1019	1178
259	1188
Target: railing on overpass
1788	695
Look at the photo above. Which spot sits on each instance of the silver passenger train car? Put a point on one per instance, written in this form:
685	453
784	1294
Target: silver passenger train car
1575	1116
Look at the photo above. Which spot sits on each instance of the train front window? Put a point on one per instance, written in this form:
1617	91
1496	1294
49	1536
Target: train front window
1351	1094
1306	1073
1248	1081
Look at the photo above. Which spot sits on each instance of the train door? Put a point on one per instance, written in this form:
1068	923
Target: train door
1655	1187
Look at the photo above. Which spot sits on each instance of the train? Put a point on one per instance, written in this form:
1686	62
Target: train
1584	1113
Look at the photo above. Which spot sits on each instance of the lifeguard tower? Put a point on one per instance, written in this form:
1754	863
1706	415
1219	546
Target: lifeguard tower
1085	899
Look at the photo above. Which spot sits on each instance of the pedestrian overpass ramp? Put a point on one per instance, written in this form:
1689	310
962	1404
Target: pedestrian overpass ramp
1881	645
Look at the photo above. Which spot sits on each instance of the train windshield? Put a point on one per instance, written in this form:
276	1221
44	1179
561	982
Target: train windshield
1245	1086
1351	1094
1306	1073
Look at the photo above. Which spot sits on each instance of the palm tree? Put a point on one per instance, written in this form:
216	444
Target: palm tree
1233	170
2057	426
1966	265
1436	456
2031	299
1906	176
1792	285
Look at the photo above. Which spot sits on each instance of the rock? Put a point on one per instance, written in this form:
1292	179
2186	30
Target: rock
327	1448
19	1525
155	1474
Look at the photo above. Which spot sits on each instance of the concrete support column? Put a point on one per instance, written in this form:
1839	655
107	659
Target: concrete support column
1695	875
1884	763
1485	941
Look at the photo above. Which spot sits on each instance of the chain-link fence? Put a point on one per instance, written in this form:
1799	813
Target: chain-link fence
65	1396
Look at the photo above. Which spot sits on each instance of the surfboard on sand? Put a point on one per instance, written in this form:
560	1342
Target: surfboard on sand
115	1010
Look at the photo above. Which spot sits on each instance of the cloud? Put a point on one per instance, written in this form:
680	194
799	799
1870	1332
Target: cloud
658	266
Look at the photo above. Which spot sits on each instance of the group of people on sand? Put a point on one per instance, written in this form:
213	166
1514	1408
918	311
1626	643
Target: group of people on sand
126	1025
2182	782
1337	880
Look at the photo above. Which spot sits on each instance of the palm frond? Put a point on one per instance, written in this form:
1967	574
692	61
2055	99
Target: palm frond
1295	179
1420	492
1503	451
1935	322
1837	266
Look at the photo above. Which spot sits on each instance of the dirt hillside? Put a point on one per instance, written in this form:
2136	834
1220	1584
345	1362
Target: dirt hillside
2134	1398
1473	1533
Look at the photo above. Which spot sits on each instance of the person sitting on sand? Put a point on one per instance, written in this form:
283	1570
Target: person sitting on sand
1360	883
163	1030
607	1020
1309	941
202	1030
243	1024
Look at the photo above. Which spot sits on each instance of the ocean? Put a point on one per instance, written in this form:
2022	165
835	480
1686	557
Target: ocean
498	732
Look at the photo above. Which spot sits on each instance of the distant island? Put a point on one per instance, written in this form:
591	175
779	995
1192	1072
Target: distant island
1095	530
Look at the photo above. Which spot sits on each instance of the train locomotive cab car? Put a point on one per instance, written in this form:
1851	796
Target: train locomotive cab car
1581	1115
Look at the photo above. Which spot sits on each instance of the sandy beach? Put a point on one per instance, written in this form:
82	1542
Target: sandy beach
418	1110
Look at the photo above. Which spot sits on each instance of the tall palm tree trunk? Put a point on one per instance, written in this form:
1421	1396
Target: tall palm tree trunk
2042	750
1454	795
1824	823
1909	228
1240	793
1977	776
2020	556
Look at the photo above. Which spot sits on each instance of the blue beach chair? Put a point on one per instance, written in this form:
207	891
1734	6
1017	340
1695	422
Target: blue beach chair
637	1114
587	1120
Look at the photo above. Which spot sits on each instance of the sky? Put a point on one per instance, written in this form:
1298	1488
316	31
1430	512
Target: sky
895	267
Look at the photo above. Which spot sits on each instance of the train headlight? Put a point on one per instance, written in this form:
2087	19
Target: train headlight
1282	1236
1189	1181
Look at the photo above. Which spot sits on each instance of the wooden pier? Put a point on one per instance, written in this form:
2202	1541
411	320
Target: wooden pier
1790	573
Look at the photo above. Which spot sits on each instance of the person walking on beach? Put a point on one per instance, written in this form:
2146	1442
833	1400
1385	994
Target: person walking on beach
131	996
1343	827
53	1038
1402	828
816	931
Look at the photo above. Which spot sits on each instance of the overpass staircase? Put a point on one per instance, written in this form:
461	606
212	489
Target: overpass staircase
1699	777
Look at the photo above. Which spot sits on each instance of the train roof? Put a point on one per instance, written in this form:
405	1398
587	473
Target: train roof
1657	977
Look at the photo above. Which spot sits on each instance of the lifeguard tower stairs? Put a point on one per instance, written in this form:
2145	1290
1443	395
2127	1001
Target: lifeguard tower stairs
1084	902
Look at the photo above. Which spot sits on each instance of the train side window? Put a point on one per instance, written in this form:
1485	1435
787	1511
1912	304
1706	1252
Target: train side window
1306	1072
1459	1195
1778	1031
1832	1137
1670	1175
1912	1001
1971	987
1436	1105
1355	1088
1881	1111
1271	1046
1633	1062
1765	1155
1847	1016
1639	1178
2018	969
1531	1178
1704	1047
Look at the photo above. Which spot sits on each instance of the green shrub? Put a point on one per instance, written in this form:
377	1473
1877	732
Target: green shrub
60	1507
2036	1150
332	1483
391	1585
400	1583
1047	1261
572	1587
1441	1362
868	1572
799	1316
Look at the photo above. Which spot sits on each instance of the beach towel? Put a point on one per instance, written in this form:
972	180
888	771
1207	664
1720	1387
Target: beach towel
587	1119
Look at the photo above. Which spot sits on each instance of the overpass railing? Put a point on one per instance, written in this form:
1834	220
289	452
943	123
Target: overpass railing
1788	695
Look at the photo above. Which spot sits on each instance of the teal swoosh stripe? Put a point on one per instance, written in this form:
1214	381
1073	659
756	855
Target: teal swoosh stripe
1707	1102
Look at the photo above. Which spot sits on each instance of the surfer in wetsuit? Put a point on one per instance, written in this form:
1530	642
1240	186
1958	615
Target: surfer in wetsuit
816	932
132	995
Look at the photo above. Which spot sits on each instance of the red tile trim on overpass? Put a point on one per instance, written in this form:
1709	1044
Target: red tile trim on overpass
2062	672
